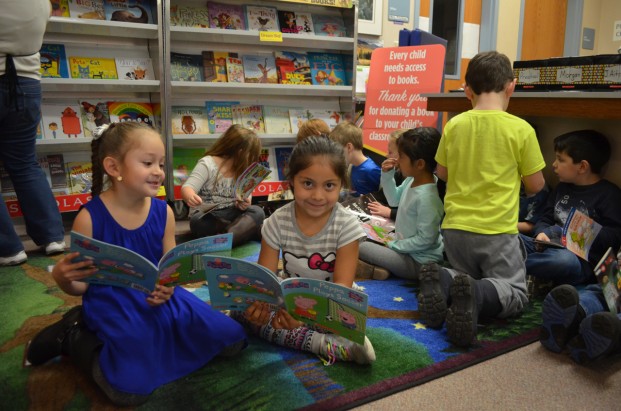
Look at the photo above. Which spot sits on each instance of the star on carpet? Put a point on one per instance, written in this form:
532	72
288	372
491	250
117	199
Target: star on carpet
419	326
397	299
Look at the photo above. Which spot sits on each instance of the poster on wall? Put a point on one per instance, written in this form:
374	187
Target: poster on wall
398	77
370	17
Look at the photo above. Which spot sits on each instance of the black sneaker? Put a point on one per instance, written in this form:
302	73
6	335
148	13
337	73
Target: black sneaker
598	337
47	344
562	315
462	316
431	299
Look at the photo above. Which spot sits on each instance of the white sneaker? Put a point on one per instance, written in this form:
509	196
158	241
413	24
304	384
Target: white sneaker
336	348
16	259
56	247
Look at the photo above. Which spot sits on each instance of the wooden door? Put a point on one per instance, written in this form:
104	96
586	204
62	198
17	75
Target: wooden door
543	33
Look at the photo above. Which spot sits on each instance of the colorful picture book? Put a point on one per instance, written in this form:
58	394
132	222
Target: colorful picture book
359	206
234	284
276	120
329	25
129	11
117	266
61	121
189	120
58	173
184	160
186	67
93	115
220	58
262	18
249	116
234	68
60	8
608	274
267	158
134	68
250	179
282	155
297	117
579	233
87	9
226	16
220	115
304	22
54	61
293	67
189	16
79	177
131	111
327	69
260	68
93	68
209	67
287	22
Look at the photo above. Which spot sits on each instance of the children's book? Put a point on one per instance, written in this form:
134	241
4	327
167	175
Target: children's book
234	68
79	177
260	68
186	67
250	179
297	117
304	23
6	184
282	155
188	16
330	117
210	70
40	130
129	11
134	68
234	284
327	69
184	160
267	158
359	206
220	115
93	68
608	274
220	58
60	8
87	9
61	121
579	233
287	22
378	234
58	173
93	115
131	111
276	120
226	16
262	18
54	61
189	120
120	267
293	67
329	25
249	116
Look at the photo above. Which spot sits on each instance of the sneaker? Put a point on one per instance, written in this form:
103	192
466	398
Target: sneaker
562	315
599	336
462	316
431	299
55	247
366	270
47	344
336	348
15	259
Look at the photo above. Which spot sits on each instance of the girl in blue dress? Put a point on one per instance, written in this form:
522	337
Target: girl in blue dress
130	344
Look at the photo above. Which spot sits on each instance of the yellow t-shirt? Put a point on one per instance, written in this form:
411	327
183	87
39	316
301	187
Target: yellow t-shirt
486	152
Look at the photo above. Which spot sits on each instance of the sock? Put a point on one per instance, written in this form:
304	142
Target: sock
488	303
299	338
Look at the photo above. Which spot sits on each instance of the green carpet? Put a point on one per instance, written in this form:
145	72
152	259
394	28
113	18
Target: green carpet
264	376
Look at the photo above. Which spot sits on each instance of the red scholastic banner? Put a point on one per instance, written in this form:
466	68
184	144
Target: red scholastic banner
397	78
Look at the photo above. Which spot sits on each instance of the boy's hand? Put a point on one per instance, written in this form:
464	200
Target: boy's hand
160	295
65	271
283	320
379	209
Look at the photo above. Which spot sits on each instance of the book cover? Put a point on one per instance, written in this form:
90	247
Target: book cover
220	58
40	130
327	69
60	8
579	233
117	266
226	16
267	158
6	184
330	117
210	69
608	276
189	120
220	115
250	179
262	18
58	174
131	111
260	68
234	284
378	234
282	155
188	16
129	11
61	121
304	23
184	160
79	177
297	116
186	67
93	115
134	68
87	9
234	68
54	61
359	206
93	68
329	25
276	120
42	160
287	22
250	116
293	67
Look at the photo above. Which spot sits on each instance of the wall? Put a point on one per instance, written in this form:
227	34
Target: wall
610	12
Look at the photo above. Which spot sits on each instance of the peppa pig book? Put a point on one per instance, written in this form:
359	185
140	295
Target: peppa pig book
234	284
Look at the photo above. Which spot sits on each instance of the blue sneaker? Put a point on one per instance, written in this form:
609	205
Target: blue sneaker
561	317
462	316
599	336
431	299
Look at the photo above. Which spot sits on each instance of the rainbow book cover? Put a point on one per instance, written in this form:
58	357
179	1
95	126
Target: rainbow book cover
131	111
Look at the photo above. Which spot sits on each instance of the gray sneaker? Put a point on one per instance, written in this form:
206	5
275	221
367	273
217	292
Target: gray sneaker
55	247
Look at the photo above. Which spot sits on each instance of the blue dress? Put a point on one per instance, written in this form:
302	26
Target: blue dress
145	347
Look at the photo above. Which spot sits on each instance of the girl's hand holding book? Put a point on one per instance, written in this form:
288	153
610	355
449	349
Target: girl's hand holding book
160	295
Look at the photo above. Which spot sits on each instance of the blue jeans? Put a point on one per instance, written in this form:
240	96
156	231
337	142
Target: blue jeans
18	129
554	264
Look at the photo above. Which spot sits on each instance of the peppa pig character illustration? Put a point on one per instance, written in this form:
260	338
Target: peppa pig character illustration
304	307
347	319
